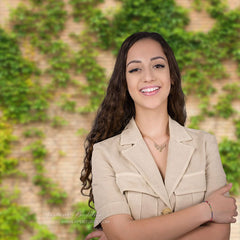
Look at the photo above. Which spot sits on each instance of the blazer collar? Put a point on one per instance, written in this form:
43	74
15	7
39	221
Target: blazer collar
138	154
131	133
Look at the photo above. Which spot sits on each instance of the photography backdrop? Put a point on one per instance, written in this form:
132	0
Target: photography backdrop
56	57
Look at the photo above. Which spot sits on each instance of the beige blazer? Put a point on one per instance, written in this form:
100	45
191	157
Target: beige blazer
126	179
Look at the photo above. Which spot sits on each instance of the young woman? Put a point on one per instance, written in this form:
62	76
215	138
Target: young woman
149	176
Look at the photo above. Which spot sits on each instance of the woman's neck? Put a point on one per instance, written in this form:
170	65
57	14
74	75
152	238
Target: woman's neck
153	124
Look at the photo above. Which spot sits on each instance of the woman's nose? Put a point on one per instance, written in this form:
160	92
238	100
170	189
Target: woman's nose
148	75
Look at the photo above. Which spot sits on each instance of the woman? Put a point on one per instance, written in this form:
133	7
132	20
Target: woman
152	178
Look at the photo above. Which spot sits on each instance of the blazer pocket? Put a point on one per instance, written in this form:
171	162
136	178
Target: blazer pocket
191	190
135	189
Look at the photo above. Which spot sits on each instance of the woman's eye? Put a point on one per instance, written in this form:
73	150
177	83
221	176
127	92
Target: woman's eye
159	66
134	70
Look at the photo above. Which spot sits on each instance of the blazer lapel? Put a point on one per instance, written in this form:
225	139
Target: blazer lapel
139	155
180	152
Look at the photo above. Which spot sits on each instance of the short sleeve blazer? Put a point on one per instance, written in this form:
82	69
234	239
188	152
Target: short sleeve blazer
126	179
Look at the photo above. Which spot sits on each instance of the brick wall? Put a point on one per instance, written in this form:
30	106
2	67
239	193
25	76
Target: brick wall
66	169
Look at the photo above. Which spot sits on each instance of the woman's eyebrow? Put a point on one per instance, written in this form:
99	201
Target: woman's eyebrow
154	58
134	61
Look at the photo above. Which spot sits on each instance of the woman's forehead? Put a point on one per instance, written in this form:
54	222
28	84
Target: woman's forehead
145	48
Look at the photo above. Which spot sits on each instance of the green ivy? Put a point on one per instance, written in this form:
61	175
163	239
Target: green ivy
195	121
58	121
95	74
14	219
197	5
59	60
82	220
82	9
237	125
82	131
7	165
23	98
50	17
20	97
216	8
50	190
230	155
33	132
67	104
43	233
224	106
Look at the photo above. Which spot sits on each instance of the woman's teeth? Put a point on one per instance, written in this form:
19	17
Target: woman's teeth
148	90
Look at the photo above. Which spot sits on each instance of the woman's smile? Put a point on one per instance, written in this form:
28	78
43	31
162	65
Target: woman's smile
150	90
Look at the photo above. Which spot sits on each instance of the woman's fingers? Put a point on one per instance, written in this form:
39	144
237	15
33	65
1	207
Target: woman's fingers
225	189
103	237
233	220
235	214
97	233
224	207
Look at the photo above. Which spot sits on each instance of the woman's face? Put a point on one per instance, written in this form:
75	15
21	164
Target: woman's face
148	75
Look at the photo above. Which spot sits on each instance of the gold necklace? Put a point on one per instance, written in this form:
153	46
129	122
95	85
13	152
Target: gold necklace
159	147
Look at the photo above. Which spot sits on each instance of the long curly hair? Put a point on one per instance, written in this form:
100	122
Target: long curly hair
117	107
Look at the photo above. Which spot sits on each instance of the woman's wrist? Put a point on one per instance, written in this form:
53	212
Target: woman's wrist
206	210
210	206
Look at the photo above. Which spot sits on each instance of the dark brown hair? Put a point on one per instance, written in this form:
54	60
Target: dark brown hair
118	108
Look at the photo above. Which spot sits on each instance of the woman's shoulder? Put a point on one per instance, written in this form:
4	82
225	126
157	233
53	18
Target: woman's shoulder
200	134
128	135
185	133
108	143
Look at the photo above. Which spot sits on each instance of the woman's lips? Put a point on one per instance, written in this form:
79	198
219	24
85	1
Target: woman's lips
149	91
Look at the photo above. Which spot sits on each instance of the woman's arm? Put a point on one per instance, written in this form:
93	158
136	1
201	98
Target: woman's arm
209	231
172	226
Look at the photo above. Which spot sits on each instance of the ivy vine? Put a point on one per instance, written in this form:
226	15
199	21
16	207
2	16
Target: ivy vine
21	98
50	18
7	165
14	219
81	221
50	190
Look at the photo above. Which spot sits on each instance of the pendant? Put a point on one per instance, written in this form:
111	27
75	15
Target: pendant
160	147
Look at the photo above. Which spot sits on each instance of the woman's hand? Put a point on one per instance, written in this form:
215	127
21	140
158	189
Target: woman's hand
224	208
97	233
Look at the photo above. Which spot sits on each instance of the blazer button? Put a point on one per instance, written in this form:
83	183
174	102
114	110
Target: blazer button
166	211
